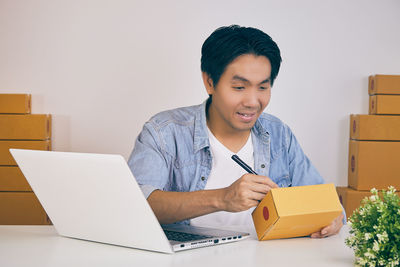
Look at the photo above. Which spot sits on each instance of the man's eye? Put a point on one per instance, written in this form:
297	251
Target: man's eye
264	88
239	87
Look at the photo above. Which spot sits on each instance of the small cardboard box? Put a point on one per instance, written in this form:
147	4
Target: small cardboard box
351	199
15	103
12	179
21	208
375	127
384	105
25	127
296	211
5	145
373	164
384	84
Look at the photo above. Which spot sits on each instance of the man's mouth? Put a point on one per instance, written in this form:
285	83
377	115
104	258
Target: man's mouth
246	116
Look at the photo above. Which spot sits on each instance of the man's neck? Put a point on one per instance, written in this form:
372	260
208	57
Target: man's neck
233	140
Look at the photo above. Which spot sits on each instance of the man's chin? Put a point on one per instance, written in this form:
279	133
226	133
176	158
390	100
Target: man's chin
244	128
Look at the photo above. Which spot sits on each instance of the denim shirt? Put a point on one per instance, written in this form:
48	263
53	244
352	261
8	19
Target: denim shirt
172	152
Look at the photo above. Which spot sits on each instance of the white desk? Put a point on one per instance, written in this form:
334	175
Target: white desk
41	246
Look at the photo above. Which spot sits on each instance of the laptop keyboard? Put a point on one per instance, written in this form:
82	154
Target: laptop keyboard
183	237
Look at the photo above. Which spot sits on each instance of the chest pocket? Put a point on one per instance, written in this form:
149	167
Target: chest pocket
279	171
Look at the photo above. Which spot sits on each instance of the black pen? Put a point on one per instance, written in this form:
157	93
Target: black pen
247	167
243	164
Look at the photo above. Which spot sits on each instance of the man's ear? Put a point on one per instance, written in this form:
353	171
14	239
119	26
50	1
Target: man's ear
208	83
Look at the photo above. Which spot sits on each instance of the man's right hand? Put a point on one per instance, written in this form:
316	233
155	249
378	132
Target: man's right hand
246	192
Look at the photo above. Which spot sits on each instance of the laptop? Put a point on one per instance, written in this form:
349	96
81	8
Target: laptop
95	197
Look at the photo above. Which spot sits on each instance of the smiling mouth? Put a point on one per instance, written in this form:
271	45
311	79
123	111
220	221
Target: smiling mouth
246	116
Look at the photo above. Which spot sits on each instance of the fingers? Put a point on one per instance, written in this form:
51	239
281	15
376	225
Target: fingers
331	229
260	180
324	232
257	196
316	235
258	186
246	192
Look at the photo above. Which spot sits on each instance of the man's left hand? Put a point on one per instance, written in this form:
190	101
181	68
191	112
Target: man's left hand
331	229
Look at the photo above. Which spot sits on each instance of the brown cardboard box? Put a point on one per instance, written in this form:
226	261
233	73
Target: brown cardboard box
384	104
21	208
373	164
25	127
12	179
15	103
296	211
351	199
375	127
384	84
5	145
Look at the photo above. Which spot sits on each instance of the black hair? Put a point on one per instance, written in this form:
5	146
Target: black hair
227	43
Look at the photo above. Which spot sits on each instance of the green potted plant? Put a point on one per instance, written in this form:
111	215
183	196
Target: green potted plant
375	230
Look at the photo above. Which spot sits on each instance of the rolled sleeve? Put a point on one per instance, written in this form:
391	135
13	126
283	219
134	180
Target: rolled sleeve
148	189
148	161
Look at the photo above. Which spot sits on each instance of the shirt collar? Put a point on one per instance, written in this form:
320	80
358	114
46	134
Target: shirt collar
259	129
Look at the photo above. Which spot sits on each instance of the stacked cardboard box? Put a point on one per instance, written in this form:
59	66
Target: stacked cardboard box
374	147
20	129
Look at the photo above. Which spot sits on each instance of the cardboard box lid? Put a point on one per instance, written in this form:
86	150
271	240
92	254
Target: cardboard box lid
305	199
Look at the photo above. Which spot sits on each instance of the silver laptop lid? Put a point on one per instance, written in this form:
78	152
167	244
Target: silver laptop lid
93	197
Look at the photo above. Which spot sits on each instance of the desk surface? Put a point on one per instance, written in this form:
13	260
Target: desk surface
41	246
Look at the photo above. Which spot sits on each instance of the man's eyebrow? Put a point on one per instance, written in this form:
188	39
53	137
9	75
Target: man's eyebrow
242	79
266	80
239	78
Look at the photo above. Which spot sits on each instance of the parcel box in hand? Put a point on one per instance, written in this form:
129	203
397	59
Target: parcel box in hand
296	211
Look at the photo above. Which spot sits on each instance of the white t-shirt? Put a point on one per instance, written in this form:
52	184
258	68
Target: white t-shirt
223	173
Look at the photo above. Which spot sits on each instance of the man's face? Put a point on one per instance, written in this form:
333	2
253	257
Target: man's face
242	93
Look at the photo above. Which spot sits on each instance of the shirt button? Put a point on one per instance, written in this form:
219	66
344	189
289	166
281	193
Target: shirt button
263	166
203	178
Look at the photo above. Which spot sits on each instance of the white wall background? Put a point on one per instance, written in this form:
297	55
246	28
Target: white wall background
102	68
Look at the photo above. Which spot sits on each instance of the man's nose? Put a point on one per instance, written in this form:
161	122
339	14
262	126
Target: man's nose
250	98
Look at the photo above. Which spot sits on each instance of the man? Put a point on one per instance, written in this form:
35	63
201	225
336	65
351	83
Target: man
182	157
